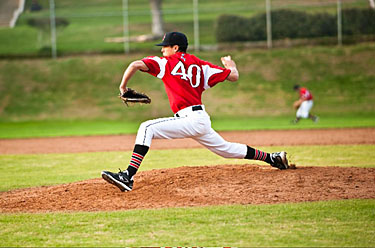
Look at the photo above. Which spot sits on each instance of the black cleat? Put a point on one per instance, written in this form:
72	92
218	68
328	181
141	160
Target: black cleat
121	180
279	160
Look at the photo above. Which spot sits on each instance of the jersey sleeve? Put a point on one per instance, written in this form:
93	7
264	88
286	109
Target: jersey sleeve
213	74
305	94
156	66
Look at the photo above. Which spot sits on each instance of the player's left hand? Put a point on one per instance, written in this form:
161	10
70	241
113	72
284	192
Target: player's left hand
297	104
228	62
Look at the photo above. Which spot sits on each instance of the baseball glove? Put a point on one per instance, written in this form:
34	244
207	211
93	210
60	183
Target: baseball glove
133	96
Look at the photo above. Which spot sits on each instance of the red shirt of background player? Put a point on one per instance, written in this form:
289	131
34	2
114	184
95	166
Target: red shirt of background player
185	77
305	94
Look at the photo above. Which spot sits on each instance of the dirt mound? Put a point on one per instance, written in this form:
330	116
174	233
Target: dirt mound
198	186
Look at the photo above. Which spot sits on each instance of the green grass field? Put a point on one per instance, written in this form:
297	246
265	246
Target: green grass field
348	223
29	129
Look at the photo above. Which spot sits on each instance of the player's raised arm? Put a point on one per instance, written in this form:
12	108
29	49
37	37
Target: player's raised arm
129	72
231	65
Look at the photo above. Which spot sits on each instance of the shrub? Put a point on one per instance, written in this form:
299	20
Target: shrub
294	24
231	28
358	21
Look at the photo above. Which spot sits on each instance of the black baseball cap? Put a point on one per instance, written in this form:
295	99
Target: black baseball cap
174	38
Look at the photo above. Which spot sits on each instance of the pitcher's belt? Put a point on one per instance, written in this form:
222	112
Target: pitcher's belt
193	108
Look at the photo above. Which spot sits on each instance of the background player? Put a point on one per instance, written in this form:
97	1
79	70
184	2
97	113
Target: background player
185	77
304	104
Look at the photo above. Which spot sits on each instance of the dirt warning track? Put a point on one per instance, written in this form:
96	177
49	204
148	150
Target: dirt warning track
126	142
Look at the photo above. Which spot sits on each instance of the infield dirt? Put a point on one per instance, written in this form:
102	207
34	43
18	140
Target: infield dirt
199	186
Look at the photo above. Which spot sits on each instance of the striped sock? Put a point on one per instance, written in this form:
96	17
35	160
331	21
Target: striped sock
139	153
136	160
256	154
259	155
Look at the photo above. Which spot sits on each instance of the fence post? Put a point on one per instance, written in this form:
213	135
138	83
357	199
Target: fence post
339	23
269	24
125	11
196	25
53	27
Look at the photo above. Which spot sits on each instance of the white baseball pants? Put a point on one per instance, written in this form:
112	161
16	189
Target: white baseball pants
304	110
189	124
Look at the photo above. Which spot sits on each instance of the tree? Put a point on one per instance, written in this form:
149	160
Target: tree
372	3
157	18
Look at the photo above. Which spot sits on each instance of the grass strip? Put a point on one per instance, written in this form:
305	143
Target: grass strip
320	224
31	129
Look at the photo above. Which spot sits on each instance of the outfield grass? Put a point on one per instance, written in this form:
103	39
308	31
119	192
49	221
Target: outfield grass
49	169
347	223
85	88
31	129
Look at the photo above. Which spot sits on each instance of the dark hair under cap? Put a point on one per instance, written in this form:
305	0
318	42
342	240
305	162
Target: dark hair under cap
296	87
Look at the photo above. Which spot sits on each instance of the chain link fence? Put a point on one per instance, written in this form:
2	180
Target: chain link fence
60	27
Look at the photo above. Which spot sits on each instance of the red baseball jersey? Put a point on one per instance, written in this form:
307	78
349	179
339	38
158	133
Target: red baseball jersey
185	77
305	94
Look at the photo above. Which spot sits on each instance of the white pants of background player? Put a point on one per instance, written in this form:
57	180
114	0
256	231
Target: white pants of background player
189	124
304	110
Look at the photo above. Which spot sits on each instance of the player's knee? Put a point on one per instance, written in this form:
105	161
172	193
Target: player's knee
144	127
147	123
144	134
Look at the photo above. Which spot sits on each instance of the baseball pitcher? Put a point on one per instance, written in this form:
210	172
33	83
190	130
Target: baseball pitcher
185	77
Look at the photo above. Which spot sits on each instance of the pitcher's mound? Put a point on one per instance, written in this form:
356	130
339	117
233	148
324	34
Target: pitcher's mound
198	186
